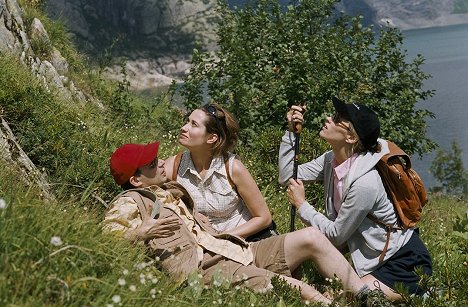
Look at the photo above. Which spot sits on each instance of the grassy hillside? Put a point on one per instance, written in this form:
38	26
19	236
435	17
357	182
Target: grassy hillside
54	253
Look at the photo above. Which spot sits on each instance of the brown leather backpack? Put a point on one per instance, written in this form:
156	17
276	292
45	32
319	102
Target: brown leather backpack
404	188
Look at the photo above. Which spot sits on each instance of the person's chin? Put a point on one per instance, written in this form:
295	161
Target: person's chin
322	132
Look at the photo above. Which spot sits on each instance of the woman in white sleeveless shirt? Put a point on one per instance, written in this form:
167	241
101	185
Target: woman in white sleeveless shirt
232	202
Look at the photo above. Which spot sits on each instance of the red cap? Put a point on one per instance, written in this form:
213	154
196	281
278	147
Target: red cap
128	158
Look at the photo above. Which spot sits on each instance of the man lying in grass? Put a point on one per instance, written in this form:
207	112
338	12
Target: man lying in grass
161	215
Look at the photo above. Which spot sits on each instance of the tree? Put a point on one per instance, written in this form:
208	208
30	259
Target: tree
271	56
448	169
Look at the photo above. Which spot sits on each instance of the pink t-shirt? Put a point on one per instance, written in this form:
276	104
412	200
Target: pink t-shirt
339	172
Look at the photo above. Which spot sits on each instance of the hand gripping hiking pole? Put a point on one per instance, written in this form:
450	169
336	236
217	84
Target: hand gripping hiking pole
297	148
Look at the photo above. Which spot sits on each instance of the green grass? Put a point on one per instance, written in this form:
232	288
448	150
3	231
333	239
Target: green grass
87	267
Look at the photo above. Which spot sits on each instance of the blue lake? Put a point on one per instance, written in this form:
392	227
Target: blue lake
446	52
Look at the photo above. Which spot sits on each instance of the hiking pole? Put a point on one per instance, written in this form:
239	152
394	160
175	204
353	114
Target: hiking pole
297	147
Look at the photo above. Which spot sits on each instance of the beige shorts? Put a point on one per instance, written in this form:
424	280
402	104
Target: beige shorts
269	259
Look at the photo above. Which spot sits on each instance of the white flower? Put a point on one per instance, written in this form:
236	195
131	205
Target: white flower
56	241
125	272
140	266
109	305
116	299
153	291
122	282
2	203
132	288
154	280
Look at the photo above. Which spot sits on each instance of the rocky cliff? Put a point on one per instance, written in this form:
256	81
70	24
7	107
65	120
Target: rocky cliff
408	14
155	38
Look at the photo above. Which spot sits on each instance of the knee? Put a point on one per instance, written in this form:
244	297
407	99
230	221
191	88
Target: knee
314	239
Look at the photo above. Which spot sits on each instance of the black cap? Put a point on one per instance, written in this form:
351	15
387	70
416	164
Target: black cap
364	120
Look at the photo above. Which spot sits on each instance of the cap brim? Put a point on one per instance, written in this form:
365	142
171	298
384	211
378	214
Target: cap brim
148	154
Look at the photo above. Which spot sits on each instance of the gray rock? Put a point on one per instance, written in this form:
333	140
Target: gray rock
59	62
38	31
12	153
12	37
153	26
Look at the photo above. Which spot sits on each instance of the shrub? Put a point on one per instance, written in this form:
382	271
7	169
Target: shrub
448	169
270	57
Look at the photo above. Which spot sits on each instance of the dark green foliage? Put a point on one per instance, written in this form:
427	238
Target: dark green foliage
261	159
270	58
448	169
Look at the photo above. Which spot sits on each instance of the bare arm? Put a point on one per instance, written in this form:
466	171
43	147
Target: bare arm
169	167
253	199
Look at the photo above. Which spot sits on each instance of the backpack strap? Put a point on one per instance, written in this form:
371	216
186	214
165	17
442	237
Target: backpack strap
136	194
389	228
228	174
176	166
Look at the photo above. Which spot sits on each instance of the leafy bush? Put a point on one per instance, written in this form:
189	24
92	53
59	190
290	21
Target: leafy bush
448	169
270	57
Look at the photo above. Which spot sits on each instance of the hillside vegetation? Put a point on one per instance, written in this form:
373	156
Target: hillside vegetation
54	253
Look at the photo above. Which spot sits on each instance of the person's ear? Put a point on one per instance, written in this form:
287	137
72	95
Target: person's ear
352	138
212	138
135	181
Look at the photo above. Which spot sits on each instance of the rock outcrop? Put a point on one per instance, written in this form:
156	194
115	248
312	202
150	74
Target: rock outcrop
154	38
52	69
408	14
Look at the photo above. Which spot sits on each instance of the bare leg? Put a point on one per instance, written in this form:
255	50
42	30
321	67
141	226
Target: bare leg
307	291
310	243
374	283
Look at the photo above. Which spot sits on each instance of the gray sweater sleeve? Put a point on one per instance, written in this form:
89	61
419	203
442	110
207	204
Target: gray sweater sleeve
310	171
358	202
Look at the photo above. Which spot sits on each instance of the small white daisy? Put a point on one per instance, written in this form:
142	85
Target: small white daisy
122	282
116	299
56	241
